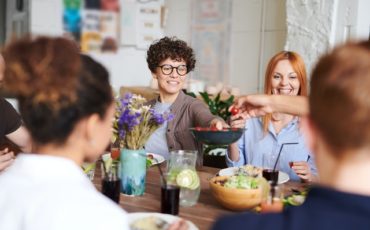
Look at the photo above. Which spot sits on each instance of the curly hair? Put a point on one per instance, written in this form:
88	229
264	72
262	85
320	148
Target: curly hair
55	85
170	47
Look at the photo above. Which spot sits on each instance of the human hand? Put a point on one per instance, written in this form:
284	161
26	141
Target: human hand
302	169
253	105
218	124
6	158
179	225
238	120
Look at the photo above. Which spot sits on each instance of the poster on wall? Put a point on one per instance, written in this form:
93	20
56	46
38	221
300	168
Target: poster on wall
99	31
211	39
141	22
94	24
104	25
72	19
128	23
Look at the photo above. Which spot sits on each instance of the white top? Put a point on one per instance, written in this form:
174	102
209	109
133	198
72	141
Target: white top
45	192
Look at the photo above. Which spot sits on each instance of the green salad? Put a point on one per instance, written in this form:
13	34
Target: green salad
242	181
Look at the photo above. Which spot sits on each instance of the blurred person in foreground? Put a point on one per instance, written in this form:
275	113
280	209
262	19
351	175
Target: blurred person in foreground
264	137
337	128
66	103
170	60
10	127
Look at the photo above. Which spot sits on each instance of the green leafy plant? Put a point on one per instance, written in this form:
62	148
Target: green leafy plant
217	106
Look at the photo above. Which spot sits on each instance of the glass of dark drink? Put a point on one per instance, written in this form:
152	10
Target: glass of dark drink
170	195
270	171
270	175
111	181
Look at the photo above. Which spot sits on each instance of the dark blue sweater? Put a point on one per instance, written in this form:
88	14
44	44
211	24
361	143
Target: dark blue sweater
324	208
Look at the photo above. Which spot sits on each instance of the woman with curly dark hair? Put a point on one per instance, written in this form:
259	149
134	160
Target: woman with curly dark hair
170	60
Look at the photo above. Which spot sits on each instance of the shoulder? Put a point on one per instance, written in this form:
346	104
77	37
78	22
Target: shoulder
253	221
188	99
187	102
254	123
95	210
5	105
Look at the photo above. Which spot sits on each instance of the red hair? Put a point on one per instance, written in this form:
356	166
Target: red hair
299	68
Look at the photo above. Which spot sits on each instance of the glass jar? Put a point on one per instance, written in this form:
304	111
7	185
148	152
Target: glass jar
181	166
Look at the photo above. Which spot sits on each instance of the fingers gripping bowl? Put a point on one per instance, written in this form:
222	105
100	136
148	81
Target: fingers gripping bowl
212	136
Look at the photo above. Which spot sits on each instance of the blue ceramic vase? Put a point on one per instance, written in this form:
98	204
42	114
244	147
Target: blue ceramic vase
133	171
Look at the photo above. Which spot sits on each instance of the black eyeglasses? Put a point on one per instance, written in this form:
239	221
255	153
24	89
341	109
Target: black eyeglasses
167	69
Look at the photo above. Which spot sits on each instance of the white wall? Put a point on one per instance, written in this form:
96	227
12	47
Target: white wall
315	26
250	49
128	66
258	30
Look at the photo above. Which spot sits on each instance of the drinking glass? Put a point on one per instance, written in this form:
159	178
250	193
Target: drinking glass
115	150
111	180
89	169
268	172
182	166
273	202
170	194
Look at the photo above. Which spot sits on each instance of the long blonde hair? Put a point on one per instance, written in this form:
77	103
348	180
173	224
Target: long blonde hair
298	66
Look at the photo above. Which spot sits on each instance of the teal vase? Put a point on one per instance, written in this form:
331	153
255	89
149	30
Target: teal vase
133	171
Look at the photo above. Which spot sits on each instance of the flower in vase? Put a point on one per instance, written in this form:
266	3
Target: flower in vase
135	122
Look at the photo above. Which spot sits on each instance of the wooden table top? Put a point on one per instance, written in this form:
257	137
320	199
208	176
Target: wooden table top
203	214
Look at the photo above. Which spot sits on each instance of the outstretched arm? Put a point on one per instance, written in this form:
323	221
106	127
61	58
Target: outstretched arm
261	104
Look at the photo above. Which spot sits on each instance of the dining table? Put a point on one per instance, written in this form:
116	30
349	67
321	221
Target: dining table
203	214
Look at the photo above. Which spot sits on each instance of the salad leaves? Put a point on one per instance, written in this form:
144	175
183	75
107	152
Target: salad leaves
242	181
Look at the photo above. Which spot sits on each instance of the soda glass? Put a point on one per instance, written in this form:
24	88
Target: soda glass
170	193
111	181
181	167
268	172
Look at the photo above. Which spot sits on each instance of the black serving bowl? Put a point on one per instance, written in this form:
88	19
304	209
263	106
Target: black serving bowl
217	137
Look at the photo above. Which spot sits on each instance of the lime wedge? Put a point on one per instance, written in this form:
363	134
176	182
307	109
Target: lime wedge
87	167
188	178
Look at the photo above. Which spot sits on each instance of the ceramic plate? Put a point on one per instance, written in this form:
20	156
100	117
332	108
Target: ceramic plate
283	177
166	217
159	158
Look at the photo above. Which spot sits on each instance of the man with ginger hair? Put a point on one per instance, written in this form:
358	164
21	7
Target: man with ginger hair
337	128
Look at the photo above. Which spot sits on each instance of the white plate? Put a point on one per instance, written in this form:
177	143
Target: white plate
159	158
169	218
283	177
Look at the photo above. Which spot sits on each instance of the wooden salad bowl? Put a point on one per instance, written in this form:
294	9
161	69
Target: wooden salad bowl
234	198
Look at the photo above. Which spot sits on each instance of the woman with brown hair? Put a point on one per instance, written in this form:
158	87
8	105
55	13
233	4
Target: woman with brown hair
67	106
263	138
170	60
